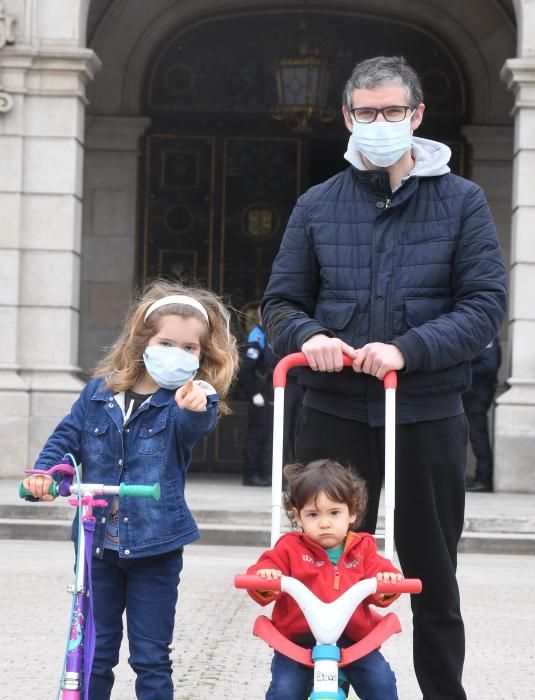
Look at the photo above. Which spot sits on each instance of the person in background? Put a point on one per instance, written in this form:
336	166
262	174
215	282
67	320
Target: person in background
256	379
293	402
477	401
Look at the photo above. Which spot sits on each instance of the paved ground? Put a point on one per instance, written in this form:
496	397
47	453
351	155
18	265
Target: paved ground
214	652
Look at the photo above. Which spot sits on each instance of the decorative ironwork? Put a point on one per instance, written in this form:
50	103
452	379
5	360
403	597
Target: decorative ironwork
178	231
179	218
260	221
180	169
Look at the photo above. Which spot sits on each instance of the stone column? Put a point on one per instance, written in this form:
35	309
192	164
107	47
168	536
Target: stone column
491	151
41	141
109	230
515	411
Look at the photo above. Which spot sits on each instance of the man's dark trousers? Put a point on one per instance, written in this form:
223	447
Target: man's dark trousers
429	516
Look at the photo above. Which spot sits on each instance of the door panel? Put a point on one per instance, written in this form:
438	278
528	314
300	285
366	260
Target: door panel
178	230
261	183
243	188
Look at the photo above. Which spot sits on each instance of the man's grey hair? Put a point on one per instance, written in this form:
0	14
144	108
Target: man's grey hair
384	70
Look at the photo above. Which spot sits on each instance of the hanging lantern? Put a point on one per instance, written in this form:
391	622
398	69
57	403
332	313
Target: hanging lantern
302	87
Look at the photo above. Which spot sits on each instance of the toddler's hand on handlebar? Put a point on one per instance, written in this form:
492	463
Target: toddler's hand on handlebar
388	577
269	574
38	485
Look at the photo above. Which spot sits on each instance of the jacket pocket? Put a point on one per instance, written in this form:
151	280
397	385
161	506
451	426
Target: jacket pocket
335	315
94	439
152	437
419	310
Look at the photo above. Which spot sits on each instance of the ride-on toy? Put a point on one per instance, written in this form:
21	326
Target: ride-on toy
76	669
327	621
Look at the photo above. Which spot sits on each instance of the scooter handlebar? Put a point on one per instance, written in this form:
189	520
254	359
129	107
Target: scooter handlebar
122	490
298	359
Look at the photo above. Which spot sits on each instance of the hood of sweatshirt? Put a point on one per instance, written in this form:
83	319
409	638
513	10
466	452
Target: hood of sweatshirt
431	158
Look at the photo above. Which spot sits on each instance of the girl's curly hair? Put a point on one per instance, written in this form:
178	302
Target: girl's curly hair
123	365
306	481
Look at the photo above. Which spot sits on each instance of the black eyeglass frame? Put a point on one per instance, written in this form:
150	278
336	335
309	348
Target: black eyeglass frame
378	111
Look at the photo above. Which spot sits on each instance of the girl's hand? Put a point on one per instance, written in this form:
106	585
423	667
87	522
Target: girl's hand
38	485
191	396
269	574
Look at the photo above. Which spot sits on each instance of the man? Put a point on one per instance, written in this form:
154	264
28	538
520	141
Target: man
477	401
395	262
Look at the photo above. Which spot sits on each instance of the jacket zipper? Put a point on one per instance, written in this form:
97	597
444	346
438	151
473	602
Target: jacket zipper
387	202
336	579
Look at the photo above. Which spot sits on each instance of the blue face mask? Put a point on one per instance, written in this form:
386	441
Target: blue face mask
170	367
382	143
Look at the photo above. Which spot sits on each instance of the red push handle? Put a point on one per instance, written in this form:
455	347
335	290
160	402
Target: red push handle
406	585
256	583
298	359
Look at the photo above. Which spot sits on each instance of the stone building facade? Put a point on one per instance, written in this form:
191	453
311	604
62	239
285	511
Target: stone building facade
137	138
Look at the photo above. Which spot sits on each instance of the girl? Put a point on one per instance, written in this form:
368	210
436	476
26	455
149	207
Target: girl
326	501
137	422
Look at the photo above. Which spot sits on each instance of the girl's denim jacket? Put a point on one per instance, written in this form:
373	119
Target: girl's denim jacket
153	445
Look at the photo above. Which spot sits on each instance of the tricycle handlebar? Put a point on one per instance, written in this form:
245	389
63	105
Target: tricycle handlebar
255	582
327	621
298	359
406	585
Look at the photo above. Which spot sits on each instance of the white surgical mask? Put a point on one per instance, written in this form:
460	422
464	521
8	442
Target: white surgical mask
170	367
381	142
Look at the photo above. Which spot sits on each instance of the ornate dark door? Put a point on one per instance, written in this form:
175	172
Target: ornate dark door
215	211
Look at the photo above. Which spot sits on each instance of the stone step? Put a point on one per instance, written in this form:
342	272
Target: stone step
51	512
235	534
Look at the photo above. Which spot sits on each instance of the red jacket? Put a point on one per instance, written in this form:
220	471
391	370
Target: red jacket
298	556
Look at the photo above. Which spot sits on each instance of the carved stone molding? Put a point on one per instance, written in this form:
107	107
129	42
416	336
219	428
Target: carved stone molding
7	23
7	36
6	101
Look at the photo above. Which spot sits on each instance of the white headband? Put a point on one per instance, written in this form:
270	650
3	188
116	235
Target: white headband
177	299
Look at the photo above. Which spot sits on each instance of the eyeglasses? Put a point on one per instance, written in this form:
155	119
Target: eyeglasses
367	115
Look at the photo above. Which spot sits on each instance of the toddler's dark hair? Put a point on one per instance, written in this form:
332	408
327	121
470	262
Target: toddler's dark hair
306	481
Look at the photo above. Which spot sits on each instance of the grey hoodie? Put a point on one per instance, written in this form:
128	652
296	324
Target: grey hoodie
430	158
